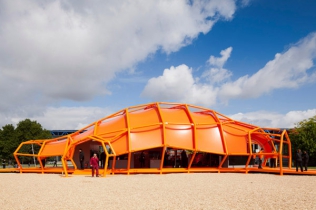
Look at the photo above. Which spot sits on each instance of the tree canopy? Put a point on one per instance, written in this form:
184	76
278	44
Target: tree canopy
11	137
303	137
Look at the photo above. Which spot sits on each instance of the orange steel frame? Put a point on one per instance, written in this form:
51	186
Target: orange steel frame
164	125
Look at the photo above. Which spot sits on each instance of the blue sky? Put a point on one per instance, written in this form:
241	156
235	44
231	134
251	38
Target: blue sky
69	63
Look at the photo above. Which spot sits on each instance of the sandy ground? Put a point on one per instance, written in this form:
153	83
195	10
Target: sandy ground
168	191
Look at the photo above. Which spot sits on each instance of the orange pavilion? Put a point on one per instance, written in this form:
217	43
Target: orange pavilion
173	137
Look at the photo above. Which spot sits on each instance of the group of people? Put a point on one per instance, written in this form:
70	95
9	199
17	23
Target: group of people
8	163
94	163
173	161
301	160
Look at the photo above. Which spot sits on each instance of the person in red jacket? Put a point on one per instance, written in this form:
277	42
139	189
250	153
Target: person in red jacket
94	162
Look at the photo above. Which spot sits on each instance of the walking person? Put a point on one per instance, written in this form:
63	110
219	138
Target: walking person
299	160
81	158
305	160
94	163
55	163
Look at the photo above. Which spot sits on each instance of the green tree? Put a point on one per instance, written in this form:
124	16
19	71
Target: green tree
7	141
31	130
11	138
303	137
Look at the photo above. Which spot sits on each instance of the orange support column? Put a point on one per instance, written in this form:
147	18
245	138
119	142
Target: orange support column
220	126
163	137
64	157
289	147
128	141
194	140
16	158
280	156
106	159
191	161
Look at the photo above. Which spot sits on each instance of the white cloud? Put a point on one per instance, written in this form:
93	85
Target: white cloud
217	74
65	118
287	70
69	50
219	62
274	120
178	84
290	69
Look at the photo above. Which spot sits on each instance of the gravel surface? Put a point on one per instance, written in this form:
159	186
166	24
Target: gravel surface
167	191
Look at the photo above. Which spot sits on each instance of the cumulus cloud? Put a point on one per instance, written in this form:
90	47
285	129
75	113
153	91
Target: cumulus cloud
61	50
220	61
65	118
290	69
274	120
69	50
217	74
178	84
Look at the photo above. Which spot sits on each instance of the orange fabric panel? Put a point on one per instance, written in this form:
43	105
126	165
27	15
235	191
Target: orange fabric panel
236	140
208	139
236	144
203	118
112	124
235	129
143	117
120	145
146	138
83	135
55	148
179	136
175	116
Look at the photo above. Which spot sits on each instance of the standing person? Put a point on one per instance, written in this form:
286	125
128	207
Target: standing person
272	163
273	160
305	159
81	158
94	163
260	158
184	159
3	163
142	159
165	160
299	160
102	157
55	163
